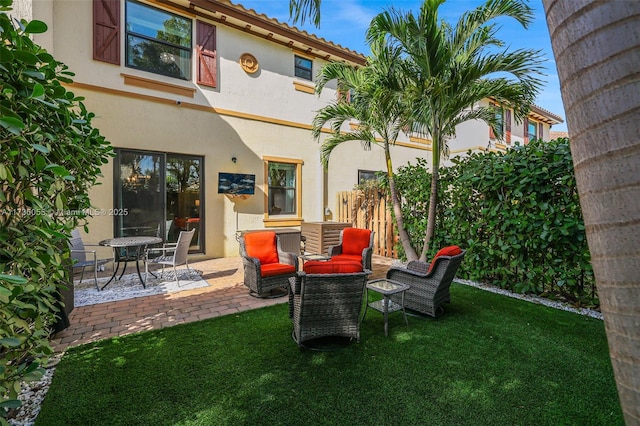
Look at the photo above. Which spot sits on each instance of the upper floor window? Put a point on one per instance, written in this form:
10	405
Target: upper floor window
303	67
499	114
158	41
532	130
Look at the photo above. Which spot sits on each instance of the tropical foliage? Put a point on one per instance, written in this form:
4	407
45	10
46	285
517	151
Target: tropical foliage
425	76
300	10
451	68
50	157
372	95
518	215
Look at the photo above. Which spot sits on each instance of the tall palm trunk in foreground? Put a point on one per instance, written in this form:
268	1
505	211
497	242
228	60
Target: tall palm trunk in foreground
597	49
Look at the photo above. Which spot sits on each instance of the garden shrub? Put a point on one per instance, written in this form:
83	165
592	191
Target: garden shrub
50	157
517	213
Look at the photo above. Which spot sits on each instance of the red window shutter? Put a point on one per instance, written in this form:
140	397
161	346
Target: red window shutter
106	31
526	130
206	51
507	121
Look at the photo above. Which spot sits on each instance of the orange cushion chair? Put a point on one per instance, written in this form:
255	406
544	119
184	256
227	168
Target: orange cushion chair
266	266
445	251
429	282
355	245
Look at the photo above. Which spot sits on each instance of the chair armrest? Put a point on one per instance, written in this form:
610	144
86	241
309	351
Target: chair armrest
82	251
334	250
397	270
288	258
418	266
92	252
160	249
367	254
294	282
251	261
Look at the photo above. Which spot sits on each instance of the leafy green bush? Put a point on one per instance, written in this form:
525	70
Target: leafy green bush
518	215
50	157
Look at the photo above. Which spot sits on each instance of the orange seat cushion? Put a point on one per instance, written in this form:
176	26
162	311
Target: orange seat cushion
348	257
262	246
271	269
445	251
332	267
354	240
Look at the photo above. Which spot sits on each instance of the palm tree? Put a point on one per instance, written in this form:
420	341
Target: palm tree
596	45
371	95
451	69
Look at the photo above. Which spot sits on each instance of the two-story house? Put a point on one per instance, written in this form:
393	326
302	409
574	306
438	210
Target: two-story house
209	108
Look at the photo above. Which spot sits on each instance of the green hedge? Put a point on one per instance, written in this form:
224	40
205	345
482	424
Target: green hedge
517	214
50	156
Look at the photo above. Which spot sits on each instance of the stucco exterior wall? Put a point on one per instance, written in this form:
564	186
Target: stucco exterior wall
247	116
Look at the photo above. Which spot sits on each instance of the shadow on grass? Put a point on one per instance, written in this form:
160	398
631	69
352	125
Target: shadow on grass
488	359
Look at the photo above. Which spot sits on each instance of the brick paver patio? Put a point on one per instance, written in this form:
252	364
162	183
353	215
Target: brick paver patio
225	295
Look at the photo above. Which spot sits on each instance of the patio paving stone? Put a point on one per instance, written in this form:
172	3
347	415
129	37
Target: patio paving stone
225	295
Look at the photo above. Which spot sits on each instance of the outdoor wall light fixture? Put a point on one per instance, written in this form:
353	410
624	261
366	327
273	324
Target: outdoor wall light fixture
234	159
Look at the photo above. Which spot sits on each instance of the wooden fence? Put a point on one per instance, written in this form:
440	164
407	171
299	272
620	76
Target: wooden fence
368	209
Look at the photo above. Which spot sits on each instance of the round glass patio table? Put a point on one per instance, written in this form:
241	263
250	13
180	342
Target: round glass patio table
128	249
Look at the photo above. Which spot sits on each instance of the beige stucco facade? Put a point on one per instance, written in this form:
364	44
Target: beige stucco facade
253	117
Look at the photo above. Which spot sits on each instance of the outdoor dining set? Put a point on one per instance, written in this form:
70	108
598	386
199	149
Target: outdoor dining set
132	249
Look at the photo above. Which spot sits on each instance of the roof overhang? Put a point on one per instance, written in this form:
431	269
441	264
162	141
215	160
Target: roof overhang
260	25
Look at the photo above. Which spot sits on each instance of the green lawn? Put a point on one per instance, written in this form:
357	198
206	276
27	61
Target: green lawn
489	360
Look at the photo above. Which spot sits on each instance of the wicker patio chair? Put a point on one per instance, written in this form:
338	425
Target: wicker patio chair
354	244
326	305
266	266
429	282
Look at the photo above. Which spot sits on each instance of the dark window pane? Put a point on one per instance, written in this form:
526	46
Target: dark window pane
303	68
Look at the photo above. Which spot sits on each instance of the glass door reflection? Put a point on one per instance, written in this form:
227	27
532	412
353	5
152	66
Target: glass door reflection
161	195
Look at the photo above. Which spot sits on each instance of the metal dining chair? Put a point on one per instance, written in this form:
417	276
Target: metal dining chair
171	254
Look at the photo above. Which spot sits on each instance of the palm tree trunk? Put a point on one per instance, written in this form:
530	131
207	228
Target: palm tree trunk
397	209
431	219
436	142
596	45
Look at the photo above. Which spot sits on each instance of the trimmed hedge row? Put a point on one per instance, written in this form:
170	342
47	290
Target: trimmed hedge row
518	215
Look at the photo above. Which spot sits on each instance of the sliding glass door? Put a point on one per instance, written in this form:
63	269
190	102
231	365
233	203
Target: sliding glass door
158	194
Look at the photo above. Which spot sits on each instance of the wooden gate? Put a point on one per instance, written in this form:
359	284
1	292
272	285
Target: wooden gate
368	209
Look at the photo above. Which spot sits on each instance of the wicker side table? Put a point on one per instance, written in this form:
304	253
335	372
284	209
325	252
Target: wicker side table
385	306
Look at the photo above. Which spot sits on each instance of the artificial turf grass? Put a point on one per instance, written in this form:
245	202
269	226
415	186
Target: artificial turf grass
489	359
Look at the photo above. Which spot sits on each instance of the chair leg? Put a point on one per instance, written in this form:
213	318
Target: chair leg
188	269
176	274
81	274
95	276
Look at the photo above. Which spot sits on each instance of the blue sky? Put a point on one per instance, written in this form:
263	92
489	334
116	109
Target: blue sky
345	22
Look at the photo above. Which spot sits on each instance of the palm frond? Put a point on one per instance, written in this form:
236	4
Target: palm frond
300	10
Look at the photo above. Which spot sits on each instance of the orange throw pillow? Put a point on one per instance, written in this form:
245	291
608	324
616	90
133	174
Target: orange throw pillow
262	245
445	251
331	267
354	240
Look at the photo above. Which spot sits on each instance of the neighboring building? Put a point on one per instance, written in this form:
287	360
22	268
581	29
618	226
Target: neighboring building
201	97
558	135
